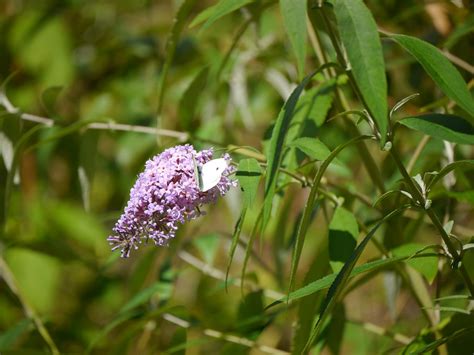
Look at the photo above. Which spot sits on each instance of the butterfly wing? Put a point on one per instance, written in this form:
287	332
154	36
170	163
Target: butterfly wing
197	174
211	173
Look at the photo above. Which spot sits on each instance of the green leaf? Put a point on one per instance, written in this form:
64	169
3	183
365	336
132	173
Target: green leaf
343	233
428	267
49	98
320	109
441	71
294	20
190	99
312	147
213	13
208	246
38	277
463	196
162	288
309	206
178	344
249	248
235	241
358	32
31	38
9	336
447	127
89	233
171	43
434	345
343	276
460	31
309	306
277	141
249	174
460	164
250	315
326	281
334	334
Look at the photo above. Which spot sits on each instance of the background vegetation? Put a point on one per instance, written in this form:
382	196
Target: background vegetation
92	89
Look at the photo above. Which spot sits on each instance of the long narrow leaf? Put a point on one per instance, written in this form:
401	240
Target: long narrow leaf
434	345
277	141
222	8
447	127
460	164
440	69
343	276
326	281
294	19
305	221
359	35
235	241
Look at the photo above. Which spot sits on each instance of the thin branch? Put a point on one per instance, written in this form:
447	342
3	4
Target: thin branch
417	153
373	328
458	61
181	136
220	275
227	337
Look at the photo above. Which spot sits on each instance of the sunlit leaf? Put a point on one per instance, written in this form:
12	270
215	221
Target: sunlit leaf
215	12
163	289
294	20
312	147
38	276
428	267
359	35
277	141
249	174
441	71
309	206
207	245
343	233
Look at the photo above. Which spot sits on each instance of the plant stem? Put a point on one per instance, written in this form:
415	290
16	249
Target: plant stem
417	153
434	218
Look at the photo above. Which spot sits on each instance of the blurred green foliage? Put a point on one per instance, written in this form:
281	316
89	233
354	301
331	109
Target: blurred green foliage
221	83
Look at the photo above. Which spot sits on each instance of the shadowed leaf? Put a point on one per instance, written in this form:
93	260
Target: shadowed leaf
447	127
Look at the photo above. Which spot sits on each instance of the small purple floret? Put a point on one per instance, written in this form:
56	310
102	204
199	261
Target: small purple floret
165	194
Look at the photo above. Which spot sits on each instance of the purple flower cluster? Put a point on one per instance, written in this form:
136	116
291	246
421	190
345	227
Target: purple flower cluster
165	194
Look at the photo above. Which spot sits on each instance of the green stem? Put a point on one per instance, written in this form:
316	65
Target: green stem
434	218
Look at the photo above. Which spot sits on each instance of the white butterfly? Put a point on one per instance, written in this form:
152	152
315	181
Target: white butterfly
209	175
